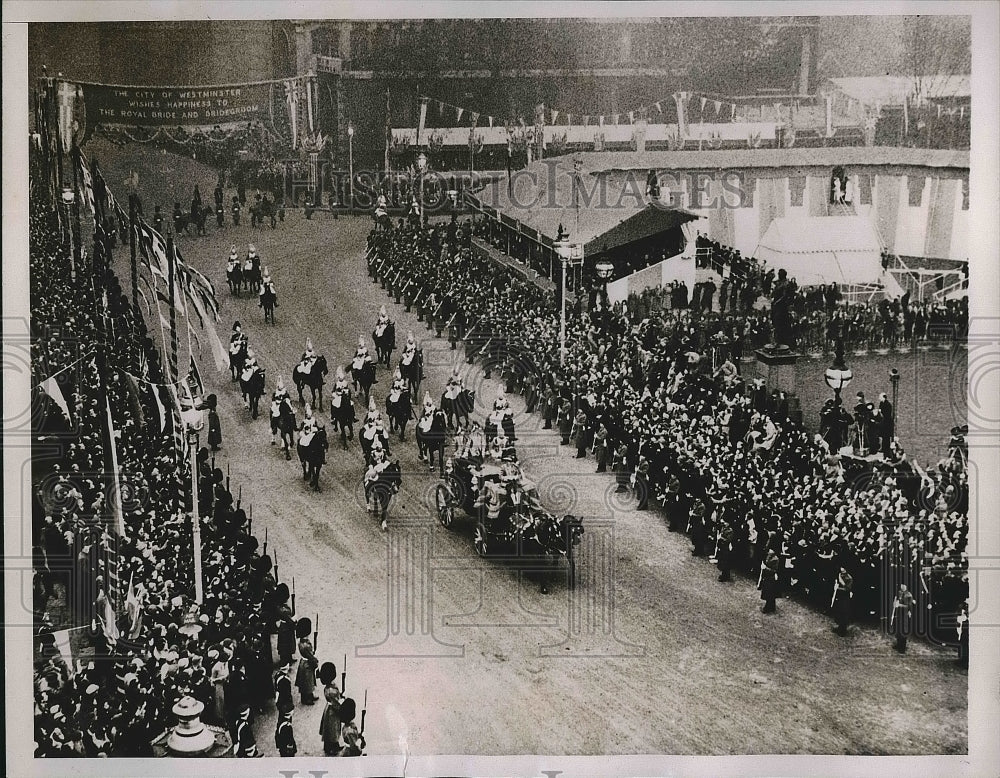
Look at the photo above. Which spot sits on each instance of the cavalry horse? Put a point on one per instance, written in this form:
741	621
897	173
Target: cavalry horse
234	276
432	436
283	423
411	366
342	415
252	387
313	379
384	336
268	301
380	486
312	448
251	271
399	411
459	408
362	372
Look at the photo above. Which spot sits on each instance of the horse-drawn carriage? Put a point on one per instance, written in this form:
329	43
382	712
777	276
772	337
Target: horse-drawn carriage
510	518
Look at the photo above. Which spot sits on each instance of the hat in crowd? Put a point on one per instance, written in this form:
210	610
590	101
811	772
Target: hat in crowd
327	673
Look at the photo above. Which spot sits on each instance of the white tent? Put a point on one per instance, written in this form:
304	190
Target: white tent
824	249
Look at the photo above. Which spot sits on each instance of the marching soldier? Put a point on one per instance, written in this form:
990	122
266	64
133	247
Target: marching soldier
354	741
841	603
284	737
245	745
283	687
580	434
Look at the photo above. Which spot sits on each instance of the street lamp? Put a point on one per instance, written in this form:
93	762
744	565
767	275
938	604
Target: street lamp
421	169
563	251
838	375
350	162
68	196
604	270
194	422
894	380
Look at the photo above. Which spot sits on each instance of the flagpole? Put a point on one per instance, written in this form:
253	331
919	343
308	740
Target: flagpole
136	313
388	131
172	356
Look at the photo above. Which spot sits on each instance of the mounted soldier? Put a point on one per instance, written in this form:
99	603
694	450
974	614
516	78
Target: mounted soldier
268	295
384	337
342	407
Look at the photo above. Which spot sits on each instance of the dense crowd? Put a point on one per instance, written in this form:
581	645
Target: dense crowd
143	643
723	457
821	313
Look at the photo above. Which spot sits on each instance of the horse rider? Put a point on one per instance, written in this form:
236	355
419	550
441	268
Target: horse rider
361	355
454	386
267	285
308	358
427	412
238	339
250	366
280	396
381	207
411	351
309	426
399	385
377	465
501	405
253	259
382	323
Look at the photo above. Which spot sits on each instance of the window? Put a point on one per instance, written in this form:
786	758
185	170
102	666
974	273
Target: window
796	190
965	194
916	189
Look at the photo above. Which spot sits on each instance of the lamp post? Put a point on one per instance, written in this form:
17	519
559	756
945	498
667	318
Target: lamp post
350	163
421	169
68	197
894	380
604	270
194	423
563	251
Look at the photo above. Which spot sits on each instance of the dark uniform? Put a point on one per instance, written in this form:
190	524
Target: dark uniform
284	736
724	552
842	593
902	610
769	581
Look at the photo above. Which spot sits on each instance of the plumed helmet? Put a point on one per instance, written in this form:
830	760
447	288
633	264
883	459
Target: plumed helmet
372	408
397	375
409	336
348	710
237	327
250	354
383	312
427	399
361	341
252	249
340	373
309	344
281	384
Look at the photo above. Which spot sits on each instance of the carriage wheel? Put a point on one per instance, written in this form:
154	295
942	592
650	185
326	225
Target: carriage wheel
445	511
480	540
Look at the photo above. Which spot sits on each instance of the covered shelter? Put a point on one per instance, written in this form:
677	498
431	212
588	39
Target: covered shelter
818	250
615	220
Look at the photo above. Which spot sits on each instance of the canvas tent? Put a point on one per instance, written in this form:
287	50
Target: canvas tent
825	249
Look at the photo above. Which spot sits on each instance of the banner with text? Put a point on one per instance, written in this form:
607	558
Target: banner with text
178	106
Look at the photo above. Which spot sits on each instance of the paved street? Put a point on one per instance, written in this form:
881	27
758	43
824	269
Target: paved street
461	656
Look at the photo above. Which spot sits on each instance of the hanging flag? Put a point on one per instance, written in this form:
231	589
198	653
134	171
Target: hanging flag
718	106
586	120
133	610
939	110
732	115
440	108
292	101
659	107
961	112
491	120
105	617
460	111
65	648
703	101
555	115
116	501
475	119
164	417
631	117
600	120
51	387
614	118
87	184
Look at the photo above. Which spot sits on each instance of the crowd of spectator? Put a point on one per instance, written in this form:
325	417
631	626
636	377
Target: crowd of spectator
718	452
140	643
